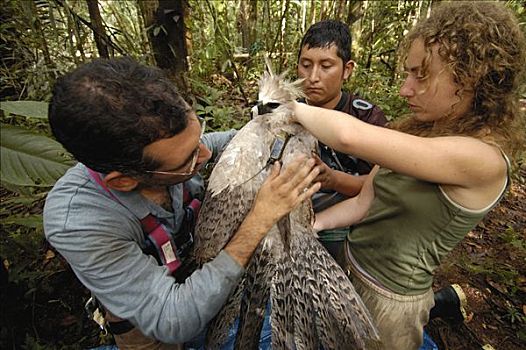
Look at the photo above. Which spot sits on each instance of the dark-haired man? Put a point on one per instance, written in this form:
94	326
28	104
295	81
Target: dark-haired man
131	202
324	61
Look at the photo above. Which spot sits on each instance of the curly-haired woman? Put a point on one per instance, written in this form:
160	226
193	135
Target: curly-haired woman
440	171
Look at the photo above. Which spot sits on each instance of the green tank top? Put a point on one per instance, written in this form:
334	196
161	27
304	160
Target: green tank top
410	227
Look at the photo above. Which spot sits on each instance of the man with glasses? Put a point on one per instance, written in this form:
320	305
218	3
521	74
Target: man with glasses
123	216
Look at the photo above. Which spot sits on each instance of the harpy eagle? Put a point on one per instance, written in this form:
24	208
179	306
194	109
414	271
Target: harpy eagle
313	303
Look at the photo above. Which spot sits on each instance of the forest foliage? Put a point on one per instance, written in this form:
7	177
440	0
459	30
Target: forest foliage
212	49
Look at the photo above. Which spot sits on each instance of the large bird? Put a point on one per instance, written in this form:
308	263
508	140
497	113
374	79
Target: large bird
313	303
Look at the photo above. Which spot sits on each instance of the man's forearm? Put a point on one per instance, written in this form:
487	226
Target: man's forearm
247	238
347	184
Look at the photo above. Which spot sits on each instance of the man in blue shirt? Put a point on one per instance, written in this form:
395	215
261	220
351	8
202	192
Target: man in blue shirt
139	147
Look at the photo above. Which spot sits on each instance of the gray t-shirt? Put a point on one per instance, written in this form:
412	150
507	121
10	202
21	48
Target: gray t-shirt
102	240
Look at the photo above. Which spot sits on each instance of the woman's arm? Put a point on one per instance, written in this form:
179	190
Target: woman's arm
349	211
452	160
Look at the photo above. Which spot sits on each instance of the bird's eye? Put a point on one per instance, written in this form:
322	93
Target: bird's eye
273	105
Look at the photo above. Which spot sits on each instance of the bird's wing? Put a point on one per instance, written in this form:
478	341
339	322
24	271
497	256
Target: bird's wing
242	158
219	327
342	320
232	187
231	190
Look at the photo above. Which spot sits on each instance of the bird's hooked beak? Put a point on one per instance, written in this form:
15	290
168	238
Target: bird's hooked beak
264	107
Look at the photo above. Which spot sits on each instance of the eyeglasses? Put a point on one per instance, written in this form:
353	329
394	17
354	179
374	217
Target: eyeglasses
193	161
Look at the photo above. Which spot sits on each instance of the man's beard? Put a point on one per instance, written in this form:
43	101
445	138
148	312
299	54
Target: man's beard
160	183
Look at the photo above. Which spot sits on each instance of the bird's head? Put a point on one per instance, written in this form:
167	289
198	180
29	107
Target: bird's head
275	91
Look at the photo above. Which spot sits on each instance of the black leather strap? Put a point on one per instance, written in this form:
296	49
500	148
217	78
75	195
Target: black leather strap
120	327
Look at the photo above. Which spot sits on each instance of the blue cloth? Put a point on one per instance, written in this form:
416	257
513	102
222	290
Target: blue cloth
429	344
265	340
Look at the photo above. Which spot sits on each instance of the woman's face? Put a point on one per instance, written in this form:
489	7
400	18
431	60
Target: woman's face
437	95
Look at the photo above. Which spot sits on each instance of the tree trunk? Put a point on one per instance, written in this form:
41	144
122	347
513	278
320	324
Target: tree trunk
354	12
312	13
167	35
74	32
252	24
268	26
98	28
303	16
322	11
283	31
339	10
36	26
244	25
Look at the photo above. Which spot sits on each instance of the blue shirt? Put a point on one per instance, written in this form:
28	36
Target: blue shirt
102	240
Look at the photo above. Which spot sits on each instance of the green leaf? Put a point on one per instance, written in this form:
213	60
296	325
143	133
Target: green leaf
31	221
31	109
21	200
29	159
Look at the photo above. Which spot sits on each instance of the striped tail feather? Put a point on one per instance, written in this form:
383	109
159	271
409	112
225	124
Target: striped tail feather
218	328
343	319
256	294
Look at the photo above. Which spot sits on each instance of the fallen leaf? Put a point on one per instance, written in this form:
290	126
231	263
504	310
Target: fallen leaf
472	234
49	254
68	320
497	286
47	258
478	246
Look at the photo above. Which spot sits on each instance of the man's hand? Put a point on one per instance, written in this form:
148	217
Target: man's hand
338	181
326	175
280	194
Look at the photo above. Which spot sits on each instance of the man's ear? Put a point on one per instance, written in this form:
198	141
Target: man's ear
347	69
120	182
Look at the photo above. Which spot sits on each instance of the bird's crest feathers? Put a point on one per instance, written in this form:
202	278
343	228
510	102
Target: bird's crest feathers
276	88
